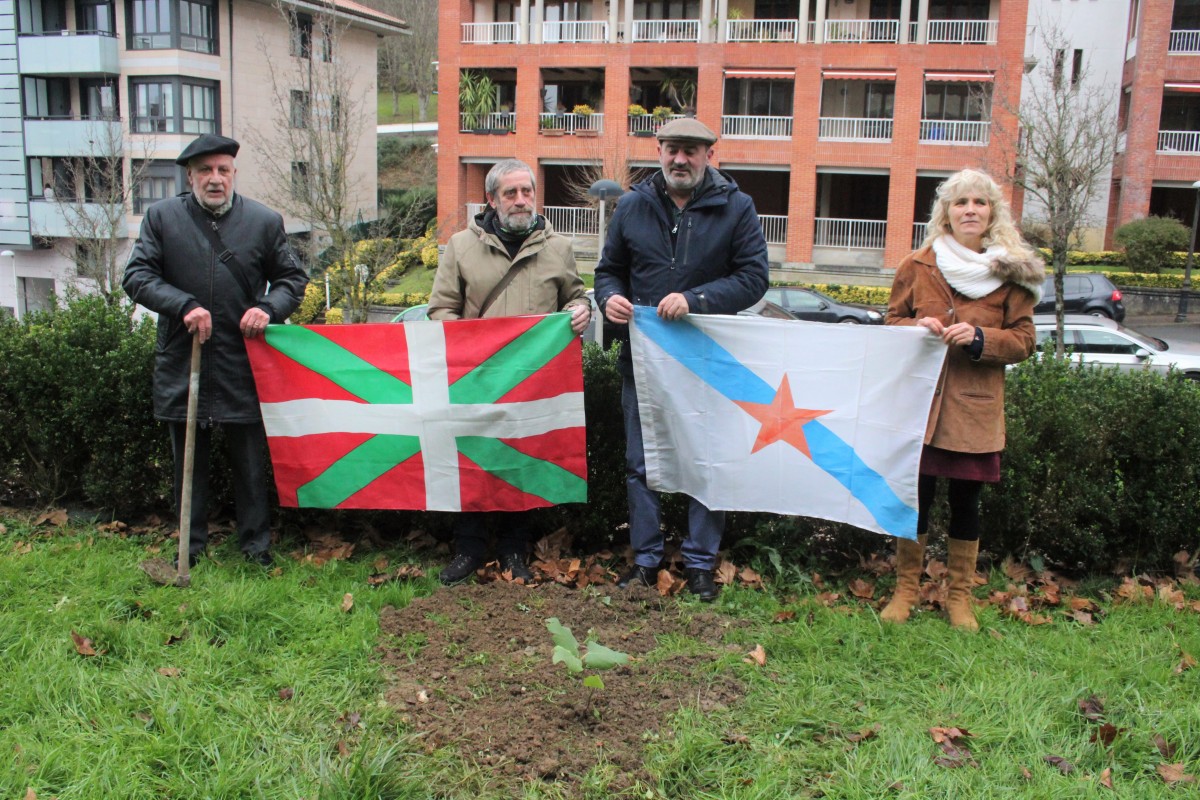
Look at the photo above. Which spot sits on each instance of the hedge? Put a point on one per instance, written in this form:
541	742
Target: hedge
1100	468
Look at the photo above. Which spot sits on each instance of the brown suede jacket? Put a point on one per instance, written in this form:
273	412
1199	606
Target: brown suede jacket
967	414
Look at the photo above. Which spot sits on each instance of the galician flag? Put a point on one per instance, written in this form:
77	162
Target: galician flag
469	415
808	418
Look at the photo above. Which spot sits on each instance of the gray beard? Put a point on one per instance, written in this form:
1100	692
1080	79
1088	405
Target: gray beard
220	210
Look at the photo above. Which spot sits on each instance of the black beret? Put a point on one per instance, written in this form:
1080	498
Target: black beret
206	145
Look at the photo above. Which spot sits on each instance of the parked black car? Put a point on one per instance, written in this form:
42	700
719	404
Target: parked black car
1084	293
811	305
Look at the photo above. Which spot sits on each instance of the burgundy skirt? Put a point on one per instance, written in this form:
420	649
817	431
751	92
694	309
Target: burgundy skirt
983	467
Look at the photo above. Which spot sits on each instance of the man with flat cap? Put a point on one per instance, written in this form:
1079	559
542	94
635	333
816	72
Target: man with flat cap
685	241
215	265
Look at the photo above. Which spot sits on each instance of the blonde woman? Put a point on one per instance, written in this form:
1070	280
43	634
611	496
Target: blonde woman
974	283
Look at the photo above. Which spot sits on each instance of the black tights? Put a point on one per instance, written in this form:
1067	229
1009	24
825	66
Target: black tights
964	506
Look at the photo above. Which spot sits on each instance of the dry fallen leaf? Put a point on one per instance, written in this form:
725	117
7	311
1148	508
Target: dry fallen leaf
1063	766
83	645
287	693
1173	773
861	589
1185	663
56	517
169	672
726	572
1092	708
667	584
1106	734
347	602
784	616
343	748
1165	748
1106	778
757	656
30	794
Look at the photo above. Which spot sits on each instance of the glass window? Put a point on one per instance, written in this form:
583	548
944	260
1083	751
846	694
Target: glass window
958	102
302	30
173	25
299	180
299	109
174	105
1106	342
94	16
154	107
156	180
99	99
199	108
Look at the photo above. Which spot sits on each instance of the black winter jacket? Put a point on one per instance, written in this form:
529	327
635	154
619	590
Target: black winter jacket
718	260
173	270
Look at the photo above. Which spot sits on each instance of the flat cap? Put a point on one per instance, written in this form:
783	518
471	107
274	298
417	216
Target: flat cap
206	145
687	129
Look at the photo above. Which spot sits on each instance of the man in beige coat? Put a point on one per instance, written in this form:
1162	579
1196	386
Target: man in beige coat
508	262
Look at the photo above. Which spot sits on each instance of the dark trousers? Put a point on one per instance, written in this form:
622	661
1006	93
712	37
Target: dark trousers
248	457
512	529
964	497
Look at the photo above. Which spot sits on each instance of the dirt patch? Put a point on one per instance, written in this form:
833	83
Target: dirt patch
470	667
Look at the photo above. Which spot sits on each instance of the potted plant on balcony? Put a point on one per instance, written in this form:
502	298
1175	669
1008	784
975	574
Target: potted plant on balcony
636	111
552	126
584	127
660	114
476	100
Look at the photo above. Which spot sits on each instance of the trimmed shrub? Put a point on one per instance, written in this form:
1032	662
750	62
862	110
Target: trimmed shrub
1149	242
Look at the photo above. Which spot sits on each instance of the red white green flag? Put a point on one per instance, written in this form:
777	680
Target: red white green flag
465	415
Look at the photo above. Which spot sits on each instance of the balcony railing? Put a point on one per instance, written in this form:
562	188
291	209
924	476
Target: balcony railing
862	30
945	131
762	30
919	230
666	30
497	122
745	127
1184	42
69	53
850	234
774	227
67	136
489	32
67	220
574	32
1179	141
571	123
962	31
647	123
573	221
854	129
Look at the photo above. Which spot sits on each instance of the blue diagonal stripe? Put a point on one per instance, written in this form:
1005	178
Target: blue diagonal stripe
717	367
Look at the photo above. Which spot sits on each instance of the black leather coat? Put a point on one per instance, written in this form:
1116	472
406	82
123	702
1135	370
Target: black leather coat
173	269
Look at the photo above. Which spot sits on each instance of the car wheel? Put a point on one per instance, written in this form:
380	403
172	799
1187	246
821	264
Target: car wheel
849	321
1099	312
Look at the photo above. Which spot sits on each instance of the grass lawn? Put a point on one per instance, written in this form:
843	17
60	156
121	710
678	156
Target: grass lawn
262	685
406	110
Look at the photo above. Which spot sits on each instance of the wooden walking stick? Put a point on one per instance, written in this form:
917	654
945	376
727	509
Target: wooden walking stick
182	579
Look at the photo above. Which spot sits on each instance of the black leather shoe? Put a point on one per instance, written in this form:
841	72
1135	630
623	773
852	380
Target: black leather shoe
514	563
461	567
262	558
643	576
700	583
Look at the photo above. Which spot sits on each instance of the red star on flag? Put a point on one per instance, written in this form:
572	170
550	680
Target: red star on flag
780	419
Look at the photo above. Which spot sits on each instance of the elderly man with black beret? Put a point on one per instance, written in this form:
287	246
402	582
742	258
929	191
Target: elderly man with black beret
685	241
217	266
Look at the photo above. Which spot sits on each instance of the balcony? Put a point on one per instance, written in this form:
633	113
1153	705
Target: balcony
573	221
648	124
861	31
1184	43
958	31
60	220
854	129
736	126
919	231
850	234
579	124
489	32
1179	142
497	122
774	227
666	30
67	53
94	138
945	131
762	30
578	32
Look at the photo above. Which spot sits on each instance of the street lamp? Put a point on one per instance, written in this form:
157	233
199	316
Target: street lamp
12	262
1185	288
604	189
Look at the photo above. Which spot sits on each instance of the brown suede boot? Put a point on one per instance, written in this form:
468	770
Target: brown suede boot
961	557
910	562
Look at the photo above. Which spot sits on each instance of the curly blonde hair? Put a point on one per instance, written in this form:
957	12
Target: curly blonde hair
1000	230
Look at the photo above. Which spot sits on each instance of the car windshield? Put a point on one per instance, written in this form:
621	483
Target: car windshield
1148	341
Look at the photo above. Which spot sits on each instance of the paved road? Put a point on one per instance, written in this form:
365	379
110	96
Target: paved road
1165	327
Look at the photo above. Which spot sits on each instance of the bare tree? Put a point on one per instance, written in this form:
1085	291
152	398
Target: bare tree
319	113
1065	146
406	63
95	193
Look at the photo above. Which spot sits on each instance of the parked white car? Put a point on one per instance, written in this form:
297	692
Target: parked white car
1098	340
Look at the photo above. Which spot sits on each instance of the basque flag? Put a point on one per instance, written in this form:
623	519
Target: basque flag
806	418
464	415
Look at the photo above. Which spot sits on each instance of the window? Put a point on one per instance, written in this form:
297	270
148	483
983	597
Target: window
300	109
157	180
335	113
98	99
47	98
302	29
174	105
1105	342
94	16
173	25
300	180
961	102
1076	67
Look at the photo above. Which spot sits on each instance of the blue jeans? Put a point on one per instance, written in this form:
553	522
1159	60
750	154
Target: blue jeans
645	533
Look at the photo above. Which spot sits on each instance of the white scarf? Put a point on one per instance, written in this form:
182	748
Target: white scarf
970	273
